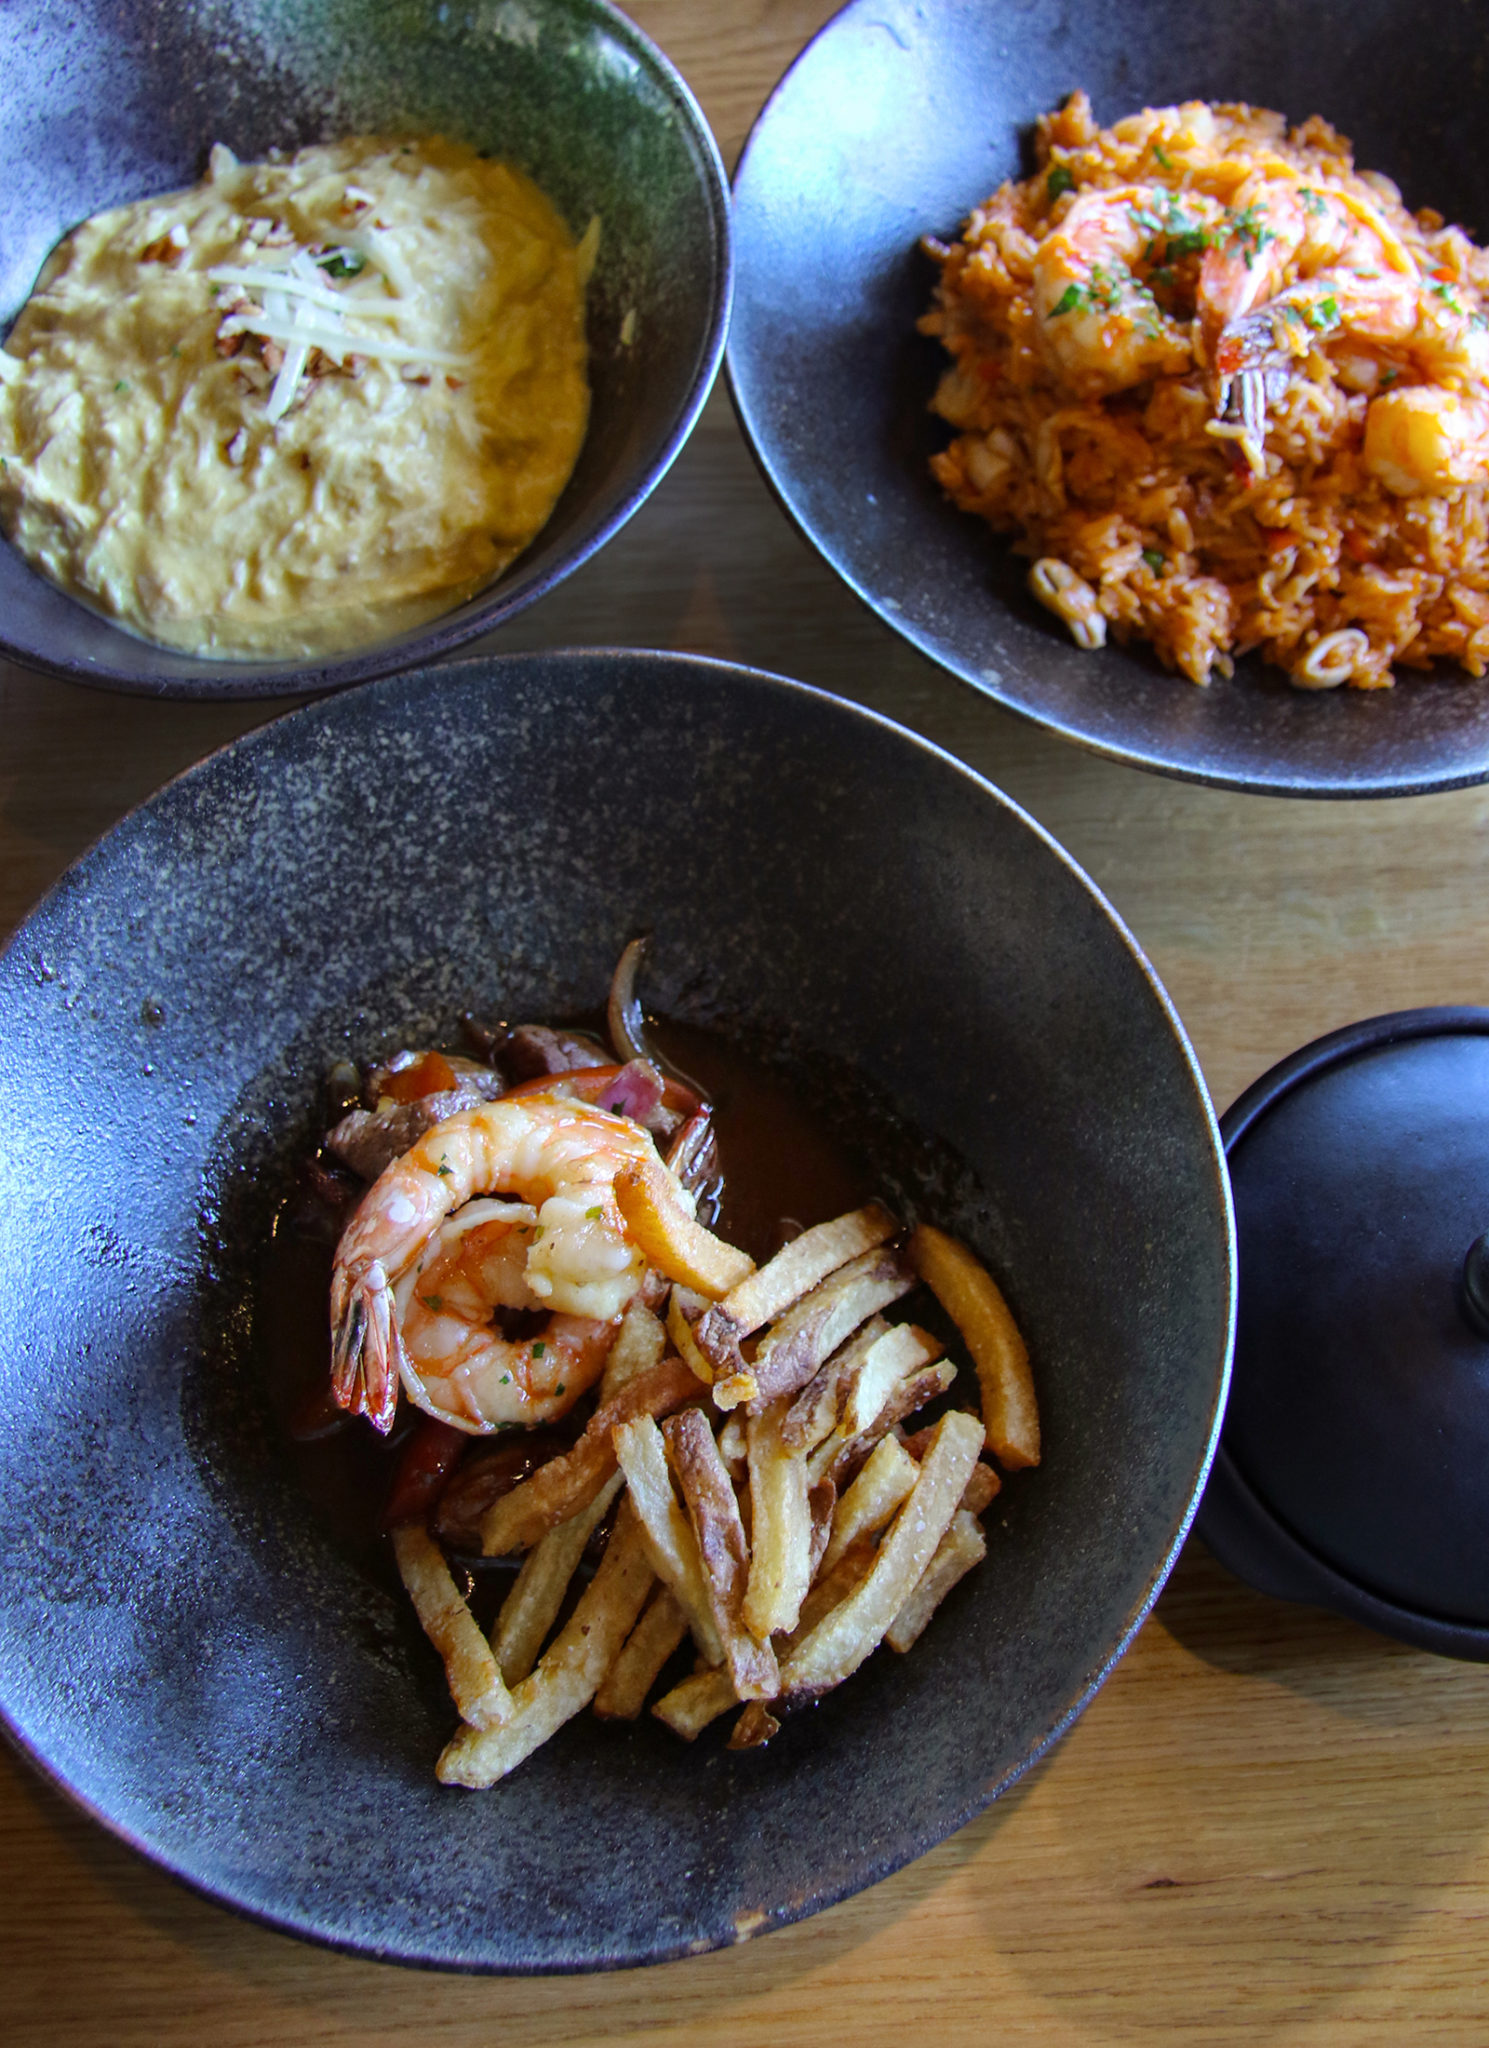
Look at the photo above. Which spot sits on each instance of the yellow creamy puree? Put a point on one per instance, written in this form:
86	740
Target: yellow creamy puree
303	405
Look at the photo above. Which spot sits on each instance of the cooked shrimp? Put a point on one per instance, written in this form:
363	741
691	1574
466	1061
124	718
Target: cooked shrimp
457	1362
1451	339
1100	323
1349	272
1423	440
559	1159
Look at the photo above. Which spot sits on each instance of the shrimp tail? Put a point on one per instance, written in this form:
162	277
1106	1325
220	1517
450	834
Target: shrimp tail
1251	373
366	1349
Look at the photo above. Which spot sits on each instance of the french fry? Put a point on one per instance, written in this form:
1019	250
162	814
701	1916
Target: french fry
830	1589
780	1526
982	1489
822	1500
971	1297
735	1388
689	1707
960	1548
665	1528
571	1669
794	1346
651	1642
531	1607
639	1344
813	1415
650	1201
875	1494
566	1484
839	1644
722	1547
901	1351
840	1456
734	1445
754	1727
476	1683
794	1271
684	1307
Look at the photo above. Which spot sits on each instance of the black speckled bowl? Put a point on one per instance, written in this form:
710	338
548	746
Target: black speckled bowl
108	100
181	1647
896	121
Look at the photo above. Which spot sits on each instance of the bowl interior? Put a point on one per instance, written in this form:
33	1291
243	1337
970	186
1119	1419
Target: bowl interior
182	1645
93	112
894	123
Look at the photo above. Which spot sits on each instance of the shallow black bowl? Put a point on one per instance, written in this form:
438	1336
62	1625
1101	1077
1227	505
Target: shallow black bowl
895	122
108	100
180	1645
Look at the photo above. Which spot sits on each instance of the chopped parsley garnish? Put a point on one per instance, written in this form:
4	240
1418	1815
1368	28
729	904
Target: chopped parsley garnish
434	1301
592	1215
342	263
1160	157
445	1169
1446	294
1104	290
1190	243
1249	230
1060	179
122	385
559	1388
616	1108
506	1379
539	1349
1172	234
1154	559
1322	315
1388	378
1312	201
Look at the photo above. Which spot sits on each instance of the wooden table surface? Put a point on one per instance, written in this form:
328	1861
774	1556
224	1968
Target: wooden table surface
1269	1826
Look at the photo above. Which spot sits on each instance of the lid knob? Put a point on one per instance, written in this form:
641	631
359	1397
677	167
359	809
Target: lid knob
1476	1285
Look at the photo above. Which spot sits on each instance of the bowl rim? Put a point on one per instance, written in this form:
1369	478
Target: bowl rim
241	680
1083	1684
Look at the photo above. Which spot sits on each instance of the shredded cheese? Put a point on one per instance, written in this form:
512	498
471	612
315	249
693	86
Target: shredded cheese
294	293
269	276
338	342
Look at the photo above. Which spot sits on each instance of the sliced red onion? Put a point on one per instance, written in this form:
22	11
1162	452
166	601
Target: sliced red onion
627	1025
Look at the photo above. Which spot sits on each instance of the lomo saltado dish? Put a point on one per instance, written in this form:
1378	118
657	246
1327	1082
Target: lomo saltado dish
302	406
528	1299
1228	392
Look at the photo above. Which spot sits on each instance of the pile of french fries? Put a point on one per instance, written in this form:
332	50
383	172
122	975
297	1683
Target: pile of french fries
766	1497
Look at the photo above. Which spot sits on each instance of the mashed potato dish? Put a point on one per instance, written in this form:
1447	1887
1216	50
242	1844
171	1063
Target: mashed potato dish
1228	393
302	406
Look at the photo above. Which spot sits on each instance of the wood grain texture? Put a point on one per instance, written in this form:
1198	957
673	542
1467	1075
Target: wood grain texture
1270	1826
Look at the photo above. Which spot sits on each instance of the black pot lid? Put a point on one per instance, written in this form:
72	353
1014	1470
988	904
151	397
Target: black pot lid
1353	1470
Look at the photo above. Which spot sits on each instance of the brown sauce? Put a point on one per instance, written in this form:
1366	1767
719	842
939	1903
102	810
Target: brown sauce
784	1169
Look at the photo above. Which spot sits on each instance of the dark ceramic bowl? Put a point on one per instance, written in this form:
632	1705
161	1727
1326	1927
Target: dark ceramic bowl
108	100
181	1646
896	121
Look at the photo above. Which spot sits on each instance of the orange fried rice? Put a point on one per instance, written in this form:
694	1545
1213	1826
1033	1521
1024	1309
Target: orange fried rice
1102	317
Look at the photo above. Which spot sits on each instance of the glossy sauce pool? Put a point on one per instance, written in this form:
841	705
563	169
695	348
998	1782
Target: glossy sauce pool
784	1169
